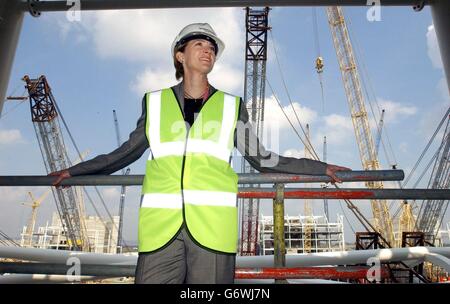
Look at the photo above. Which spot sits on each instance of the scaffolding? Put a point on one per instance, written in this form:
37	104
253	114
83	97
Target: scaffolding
325	236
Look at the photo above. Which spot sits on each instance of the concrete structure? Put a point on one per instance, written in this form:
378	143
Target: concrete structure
102	238
325	236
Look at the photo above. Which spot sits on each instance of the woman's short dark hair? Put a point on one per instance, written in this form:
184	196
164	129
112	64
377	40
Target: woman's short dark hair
179	71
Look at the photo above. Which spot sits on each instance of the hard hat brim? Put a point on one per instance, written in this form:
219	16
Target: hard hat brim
218	44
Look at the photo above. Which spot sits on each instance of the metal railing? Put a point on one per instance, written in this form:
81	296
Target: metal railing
278	193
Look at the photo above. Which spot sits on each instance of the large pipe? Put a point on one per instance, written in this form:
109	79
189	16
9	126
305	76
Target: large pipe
247	178
354	257
11	19
292	260
440	10
43	6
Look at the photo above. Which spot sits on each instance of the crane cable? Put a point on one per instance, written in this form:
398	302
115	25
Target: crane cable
426	148
433	158
319	60
308	146
96	188
350	205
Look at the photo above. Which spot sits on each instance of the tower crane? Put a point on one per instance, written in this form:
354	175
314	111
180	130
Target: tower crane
254	96
347	63
35	203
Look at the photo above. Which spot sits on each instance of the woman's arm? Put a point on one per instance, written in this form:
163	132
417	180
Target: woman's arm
266	161
127	153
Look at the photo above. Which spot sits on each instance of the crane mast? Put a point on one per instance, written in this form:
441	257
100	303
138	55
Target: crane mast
255	80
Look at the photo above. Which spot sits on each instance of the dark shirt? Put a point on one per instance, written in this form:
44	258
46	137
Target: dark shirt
191	108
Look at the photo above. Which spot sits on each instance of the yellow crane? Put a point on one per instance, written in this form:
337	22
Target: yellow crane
35	203
355	98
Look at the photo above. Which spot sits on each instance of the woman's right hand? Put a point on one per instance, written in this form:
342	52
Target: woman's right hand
62	175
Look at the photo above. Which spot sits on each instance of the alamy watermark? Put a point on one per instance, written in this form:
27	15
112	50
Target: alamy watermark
374	12
74	12
73	274
374	272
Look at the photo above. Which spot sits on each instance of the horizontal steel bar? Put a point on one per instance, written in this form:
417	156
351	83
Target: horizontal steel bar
352	272
247	178
347	193
43	6
63	269
327	273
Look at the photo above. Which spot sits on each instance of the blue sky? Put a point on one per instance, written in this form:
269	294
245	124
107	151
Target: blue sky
109	59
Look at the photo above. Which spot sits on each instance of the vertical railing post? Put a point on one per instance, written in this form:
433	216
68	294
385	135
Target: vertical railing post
278	229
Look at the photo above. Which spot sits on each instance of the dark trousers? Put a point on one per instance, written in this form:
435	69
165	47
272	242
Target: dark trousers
183	261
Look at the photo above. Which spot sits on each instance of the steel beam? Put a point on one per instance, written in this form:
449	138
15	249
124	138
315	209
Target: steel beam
328	273
11	19
43	6
440	10
246	178
348	193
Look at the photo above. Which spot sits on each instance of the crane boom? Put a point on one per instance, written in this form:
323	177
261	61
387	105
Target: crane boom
352	85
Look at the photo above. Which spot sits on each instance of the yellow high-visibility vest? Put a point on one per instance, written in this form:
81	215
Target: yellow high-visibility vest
188	179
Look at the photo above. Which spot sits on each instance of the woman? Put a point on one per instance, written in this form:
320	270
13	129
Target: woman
188	216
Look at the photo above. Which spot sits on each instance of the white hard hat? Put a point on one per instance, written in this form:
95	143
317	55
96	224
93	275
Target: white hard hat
199	30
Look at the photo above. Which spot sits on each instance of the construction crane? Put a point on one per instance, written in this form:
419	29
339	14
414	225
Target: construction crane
123	188
35	203
344	50
46	124
432	212
257	21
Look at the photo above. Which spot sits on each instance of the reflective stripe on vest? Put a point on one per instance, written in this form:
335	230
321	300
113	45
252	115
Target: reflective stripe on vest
188	172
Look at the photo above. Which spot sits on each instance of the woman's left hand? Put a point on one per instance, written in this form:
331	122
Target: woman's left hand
331	172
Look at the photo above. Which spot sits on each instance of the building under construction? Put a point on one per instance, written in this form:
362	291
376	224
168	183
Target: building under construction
303	234
102	235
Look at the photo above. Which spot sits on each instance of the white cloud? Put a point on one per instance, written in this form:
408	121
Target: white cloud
145	36
443	89
274	117
433	48
227	78
10	137
150	80
395	110
294	153
337	128
403	147
111	194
